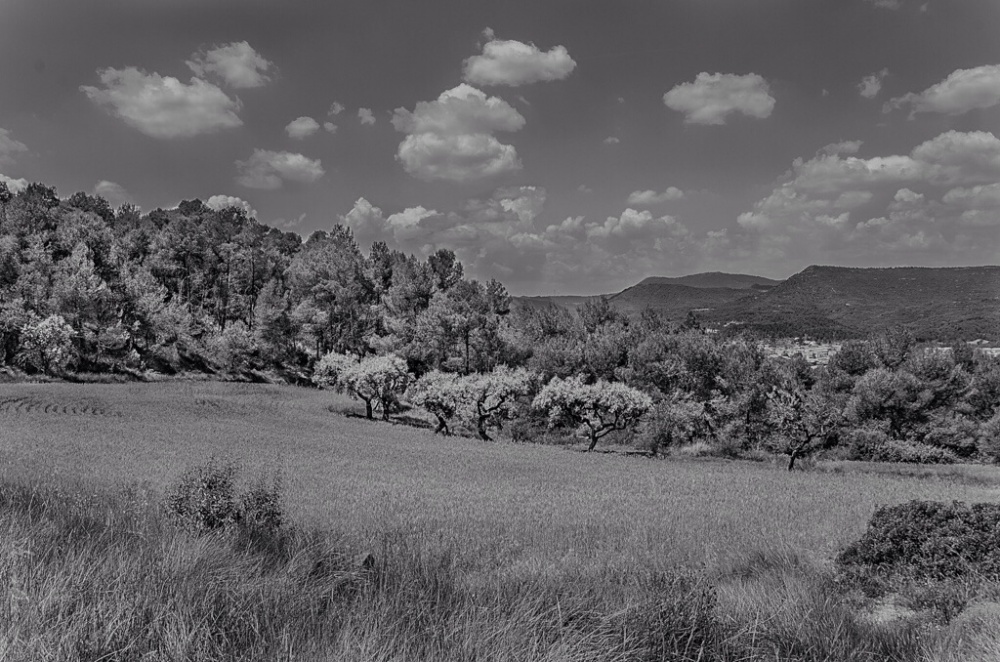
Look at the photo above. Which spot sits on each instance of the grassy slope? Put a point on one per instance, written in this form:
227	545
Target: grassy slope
522	506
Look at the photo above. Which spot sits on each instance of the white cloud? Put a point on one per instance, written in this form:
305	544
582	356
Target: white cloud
366	116
886	4
336	108
115	194
219	202
711	98
963	90
237	64
583	188
14	185
611	140
451	138
871	85
650	197
330	127
9	147
513	63
162	106
302	127
937	204
269	170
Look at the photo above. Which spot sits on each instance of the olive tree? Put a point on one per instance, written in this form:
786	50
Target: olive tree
375	380
601	407
442	394
804	421
491	398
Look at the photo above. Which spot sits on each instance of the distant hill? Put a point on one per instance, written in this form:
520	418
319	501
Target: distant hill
714	280
675	301
570	302
839	302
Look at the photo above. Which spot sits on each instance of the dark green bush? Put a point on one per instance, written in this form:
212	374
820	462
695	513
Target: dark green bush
930	540
205	499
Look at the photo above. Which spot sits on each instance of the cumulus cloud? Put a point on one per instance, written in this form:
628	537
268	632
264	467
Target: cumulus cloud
163	106
963	90
219	202
451	138
329	127
886	4
366	116
611	140
940	203
302	127
336	108
9	147
237	64
269	170
14	185
871	85
513	63
650	197
711	98
114	193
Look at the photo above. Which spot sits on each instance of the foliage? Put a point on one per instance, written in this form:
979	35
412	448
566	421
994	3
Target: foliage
442	394
601	407
46	345
930	540
377	381
205	499
491	398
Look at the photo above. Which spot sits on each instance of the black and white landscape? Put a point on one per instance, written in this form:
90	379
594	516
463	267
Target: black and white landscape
512	331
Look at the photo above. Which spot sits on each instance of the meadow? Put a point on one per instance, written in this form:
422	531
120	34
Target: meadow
501	516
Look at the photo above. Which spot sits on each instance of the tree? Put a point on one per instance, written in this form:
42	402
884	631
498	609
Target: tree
491	398
375	380
804	421
601	407
442	394
47	344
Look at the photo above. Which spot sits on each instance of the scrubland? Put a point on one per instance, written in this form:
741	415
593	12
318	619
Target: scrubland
478	551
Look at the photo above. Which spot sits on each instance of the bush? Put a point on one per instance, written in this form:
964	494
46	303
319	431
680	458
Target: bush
913	453
205	499
930	540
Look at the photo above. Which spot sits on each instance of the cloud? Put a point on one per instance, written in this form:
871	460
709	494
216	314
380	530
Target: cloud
647	198
583	188
939	204
366	116
871	85
14	185
163	106
300	128
711	98
451	138
329	127
611	140
9	147
237	64
336	108
886	4
269	170
514	63
963	90
115	194
219	202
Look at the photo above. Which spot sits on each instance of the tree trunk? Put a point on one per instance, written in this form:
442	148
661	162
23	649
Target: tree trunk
442	427
481	428
368	410
791	459
593	440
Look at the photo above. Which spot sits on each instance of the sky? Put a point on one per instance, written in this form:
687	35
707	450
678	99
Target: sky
565	146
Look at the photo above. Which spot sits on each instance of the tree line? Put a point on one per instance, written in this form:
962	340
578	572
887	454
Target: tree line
88	288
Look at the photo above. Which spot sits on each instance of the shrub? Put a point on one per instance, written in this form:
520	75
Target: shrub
892	450
205	499
930	540
47	345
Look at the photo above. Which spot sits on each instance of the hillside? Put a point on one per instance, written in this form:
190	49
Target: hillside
674	300
714	280
839	302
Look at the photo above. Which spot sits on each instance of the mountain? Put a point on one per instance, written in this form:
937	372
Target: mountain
714	280
944	303
673	300
570	302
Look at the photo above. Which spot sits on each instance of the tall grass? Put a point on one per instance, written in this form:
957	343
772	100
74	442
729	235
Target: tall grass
99	577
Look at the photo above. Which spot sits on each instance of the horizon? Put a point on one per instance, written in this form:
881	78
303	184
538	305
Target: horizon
555	156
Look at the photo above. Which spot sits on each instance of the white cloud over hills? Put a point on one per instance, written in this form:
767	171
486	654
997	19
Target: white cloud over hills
451	138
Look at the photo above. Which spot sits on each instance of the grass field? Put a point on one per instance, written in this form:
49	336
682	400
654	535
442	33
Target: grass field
503	514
